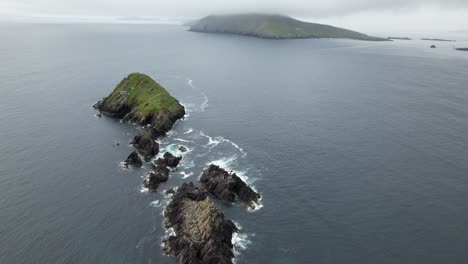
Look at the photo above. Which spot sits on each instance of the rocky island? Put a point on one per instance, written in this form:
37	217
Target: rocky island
141	100
462	49
273	27
399	38
438	39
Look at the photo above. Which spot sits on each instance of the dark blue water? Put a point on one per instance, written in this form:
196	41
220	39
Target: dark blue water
359	149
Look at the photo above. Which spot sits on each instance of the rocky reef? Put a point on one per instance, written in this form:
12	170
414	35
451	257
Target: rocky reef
141	100
228	186
160	171
201	233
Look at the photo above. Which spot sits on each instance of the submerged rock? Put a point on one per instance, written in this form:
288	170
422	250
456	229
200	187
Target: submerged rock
202	234
134	160
228	186
146	144
183	148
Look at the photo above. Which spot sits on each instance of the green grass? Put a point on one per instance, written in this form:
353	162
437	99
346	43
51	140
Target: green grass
146	94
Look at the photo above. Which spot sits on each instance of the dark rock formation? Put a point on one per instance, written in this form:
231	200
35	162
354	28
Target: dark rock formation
183	148
160	171
155	178
146	144
202	234
228	186
133	159
171	160
433	46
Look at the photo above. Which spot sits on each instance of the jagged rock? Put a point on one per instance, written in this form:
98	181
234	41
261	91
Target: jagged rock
160	170
154	180
202	234
146	144
183	148
171	160
133	159
228	186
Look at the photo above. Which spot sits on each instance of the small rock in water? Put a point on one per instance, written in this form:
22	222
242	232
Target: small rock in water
183	148
171	160
134	160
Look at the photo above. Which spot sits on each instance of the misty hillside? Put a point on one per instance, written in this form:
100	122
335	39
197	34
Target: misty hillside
273	26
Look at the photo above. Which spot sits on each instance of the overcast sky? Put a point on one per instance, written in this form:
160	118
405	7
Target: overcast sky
365	15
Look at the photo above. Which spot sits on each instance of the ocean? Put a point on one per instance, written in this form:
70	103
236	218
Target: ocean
359	149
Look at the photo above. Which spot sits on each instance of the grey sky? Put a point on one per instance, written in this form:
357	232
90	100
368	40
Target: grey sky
369	15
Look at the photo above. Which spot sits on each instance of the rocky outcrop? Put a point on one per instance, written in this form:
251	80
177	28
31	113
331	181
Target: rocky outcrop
171	160
134	160
146	144
228	186
202	234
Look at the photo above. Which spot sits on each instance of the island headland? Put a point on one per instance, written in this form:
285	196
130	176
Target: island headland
273	27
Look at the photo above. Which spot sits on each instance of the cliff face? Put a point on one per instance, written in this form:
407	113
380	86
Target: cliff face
273	27
202	234
138	98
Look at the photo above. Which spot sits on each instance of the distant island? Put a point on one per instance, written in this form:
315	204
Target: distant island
462	49
436	39
273	27
399	38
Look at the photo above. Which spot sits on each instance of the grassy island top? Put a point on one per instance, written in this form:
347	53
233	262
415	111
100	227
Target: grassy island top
145	94
273	26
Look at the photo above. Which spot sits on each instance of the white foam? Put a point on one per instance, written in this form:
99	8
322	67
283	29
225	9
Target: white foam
143	189
190	130
240	241
184	140
190	83
185	175
213	142
204	104
257	205
156	203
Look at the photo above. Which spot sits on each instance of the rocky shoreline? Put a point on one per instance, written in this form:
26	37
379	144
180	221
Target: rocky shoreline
201	234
